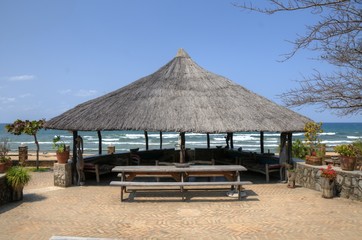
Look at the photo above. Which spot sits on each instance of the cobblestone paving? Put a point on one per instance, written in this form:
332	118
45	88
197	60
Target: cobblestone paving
271	211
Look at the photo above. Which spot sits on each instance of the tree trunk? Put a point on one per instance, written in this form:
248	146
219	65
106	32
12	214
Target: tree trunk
37	151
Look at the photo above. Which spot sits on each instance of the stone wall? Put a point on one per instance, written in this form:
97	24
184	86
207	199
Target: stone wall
5	191
62	174
348	183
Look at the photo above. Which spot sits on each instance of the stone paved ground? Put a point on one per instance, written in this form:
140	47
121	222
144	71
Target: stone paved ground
271	211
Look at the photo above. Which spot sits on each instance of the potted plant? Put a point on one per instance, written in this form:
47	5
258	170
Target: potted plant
312	130
5	161
327	181
348	154
17	177
62	150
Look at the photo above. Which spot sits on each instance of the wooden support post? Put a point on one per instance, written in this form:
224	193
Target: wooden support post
261	142
160	140
231	140
99	142
208	140
182	147
74	162
283	154
146	137
290	147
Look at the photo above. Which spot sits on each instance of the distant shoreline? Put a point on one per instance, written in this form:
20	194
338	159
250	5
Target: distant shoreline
44	156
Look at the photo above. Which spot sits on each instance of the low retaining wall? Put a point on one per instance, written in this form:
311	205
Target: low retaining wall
348	183
5	191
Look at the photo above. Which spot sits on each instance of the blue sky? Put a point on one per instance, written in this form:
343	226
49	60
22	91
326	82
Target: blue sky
57	54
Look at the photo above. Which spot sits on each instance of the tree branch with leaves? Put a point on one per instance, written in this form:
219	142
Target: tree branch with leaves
337	36
30	128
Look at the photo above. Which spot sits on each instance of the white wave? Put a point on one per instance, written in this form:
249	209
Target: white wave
354	137
133	136
327	134
298	134
110	139
169	136
336	141
45	143
66	136
245	138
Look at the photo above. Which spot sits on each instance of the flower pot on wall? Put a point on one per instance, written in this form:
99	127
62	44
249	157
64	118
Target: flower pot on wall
63	157
347	163
313	160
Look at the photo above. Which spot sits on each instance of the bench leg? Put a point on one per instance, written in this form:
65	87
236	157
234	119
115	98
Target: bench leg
281	174
122	190
267	172
96	166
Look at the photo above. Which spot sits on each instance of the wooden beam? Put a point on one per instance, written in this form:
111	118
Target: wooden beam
208	140
160	140
99	142
146	137
261	142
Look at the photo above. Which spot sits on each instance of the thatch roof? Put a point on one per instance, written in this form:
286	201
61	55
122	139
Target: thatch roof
181	97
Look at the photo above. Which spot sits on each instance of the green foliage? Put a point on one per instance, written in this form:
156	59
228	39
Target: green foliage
17	177
347	150
25	127
299	149
41	169
358	147
4	149
58	144
312	130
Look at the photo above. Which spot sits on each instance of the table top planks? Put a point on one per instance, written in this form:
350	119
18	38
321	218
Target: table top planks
173	169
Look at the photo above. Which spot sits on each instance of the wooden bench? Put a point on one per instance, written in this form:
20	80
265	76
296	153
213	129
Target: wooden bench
97	169
124	184
266	169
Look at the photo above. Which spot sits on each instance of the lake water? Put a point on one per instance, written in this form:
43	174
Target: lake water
333	134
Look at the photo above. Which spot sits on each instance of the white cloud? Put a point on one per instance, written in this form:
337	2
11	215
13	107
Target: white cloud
79	93
25	95
65	91
85	93
21	78
6	100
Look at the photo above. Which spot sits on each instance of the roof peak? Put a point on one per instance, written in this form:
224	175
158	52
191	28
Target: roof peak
182	53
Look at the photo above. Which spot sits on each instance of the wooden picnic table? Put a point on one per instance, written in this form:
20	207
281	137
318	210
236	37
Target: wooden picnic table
180	175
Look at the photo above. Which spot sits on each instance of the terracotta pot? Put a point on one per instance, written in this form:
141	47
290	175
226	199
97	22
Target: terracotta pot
63	157
2	167
17	194
313	160
347	163
8	165
327	186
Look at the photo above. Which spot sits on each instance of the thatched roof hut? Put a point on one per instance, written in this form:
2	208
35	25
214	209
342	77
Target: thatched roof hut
181	97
